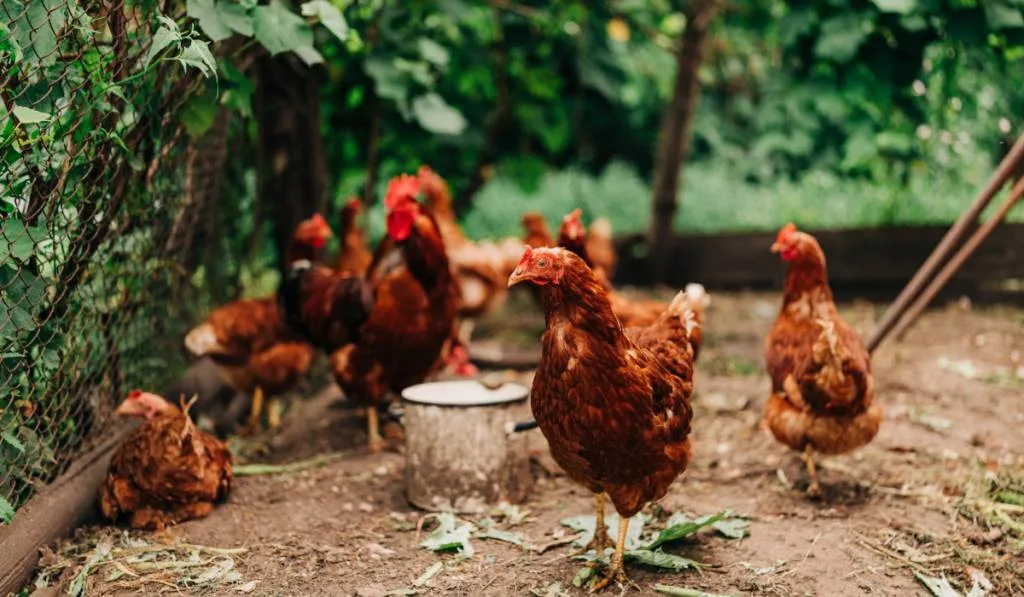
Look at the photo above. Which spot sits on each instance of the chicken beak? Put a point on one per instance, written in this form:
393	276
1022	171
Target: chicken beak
122	409
516	277
776	247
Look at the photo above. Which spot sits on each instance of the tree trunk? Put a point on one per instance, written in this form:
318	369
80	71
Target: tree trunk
292	166
674	140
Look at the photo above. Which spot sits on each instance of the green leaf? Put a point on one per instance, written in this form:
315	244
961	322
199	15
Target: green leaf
164	36
449	535
6	511
11	439
238	90
236	17
660	559
433	52
27	115
897	6
841	37
209	18
733	528
198	54
1002	14
680	526
435	115
35	25
389	82
17	240
199	114
795	24
329	16
280	30
309	55
587	523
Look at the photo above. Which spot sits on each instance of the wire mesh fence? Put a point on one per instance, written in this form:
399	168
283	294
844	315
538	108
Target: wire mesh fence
101	191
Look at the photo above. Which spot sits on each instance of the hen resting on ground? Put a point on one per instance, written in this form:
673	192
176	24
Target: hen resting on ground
822	389
614	404
167	471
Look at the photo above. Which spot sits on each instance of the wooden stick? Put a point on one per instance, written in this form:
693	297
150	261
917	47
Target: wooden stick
956	232
958	260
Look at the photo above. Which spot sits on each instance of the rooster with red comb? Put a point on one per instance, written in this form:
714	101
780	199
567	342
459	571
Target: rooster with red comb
394	337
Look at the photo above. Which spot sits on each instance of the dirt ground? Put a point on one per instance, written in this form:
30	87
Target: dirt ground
918	499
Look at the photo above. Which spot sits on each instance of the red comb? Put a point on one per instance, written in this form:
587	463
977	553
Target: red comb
526	255
402	189
574	215
354	203
785	232
318	220
134	394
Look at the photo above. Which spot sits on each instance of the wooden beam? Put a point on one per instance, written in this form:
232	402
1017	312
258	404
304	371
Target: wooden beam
1013	158
958	260
54	512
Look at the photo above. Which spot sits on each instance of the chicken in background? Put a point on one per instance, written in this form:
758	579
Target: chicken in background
613	403
601	246
254	348
480	267
354	255
822	396
166	471
398	337
631	312
536	233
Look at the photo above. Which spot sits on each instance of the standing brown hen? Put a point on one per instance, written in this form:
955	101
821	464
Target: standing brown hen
255	350
167	471
822	390
614	404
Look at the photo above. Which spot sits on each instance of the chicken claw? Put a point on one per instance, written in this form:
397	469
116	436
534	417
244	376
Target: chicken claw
616	569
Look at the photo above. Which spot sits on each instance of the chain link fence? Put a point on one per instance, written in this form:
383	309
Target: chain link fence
103	191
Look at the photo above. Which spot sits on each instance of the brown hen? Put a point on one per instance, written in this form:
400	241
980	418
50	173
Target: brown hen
614	404
822	389
253	347
354	257
167	471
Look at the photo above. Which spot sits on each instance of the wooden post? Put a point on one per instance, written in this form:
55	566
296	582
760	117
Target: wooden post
459	456
923	275
674	140
958	260
292	164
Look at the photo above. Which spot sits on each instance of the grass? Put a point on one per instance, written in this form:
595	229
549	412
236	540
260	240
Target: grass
715	200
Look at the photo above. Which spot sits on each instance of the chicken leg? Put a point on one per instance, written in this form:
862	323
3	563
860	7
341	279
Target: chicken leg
253	426
274	413
373	429
813	489
616	569
601	540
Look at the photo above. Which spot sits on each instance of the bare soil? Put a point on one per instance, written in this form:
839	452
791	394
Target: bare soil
917	499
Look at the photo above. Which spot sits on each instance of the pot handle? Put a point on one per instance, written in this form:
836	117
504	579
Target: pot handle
513	427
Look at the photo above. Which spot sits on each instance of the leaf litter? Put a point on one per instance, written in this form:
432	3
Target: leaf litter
131	561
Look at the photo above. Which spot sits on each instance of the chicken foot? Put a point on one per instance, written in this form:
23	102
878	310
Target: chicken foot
616	569
813	489
274	413
601	540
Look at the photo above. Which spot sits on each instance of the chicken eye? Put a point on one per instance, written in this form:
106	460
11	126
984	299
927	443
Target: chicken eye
542	263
